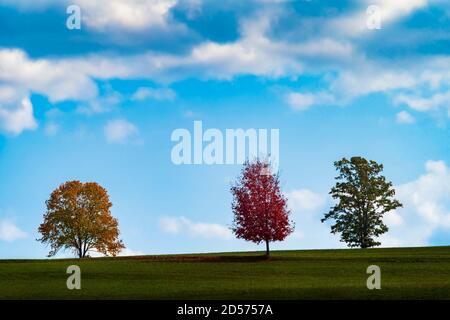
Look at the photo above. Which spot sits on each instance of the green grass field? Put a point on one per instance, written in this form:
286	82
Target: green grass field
406	273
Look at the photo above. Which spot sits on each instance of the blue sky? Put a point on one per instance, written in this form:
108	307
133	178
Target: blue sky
100	104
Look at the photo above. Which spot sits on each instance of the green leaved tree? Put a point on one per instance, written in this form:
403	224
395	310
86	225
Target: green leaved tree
363	196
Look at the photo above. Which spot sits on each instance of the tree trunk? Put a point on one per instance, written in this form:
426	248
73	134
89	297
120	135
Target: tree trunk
267	248
80	246
84	249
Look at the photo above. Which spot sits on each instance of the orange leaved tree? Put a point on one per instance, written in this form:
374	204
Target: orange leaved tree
78	218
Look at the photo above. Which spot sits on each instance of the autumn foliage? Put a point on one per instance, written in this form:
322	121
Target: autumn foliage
260	208
78	217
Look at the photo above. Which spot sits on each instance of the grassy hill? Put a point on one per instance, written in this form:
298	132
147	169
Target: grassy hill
406	273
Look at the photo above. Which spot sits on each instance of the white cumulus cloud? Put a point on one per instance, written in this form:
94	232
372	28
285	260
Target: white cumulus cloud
143	93
18	118
109	15
355	24
59	80
302	101
347	71
418	103
10	232
404	117
130	14
306	201
429	195
120	131
182	225
426	207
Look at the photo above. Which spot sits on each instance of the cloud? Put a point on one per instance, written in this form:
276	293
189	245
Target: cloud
120	131
393	219
387	241
393	10
11	95
20	75
404	117
257	54
367	77
396	80
154	93
355	23
131	14
302	101
306	201
72	78
426	208
109	15
106	103
19	118
424	104
10	232
429	195
341	62
253	53
59	80
182	225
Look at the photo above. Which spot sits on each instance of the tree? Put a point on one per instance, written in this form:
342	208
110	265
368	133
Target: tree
78	217
364	196
260	209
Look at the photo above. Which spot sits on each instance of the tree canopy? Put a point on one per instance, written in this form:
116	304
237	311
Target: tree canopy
260	208
78	218
363	196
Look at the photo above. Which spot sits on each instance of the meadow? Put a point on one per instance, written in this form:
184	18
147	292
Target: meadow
406	273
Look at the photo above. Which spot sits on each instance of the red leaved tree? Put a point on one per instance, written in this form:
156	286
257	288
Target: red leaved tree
260	209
